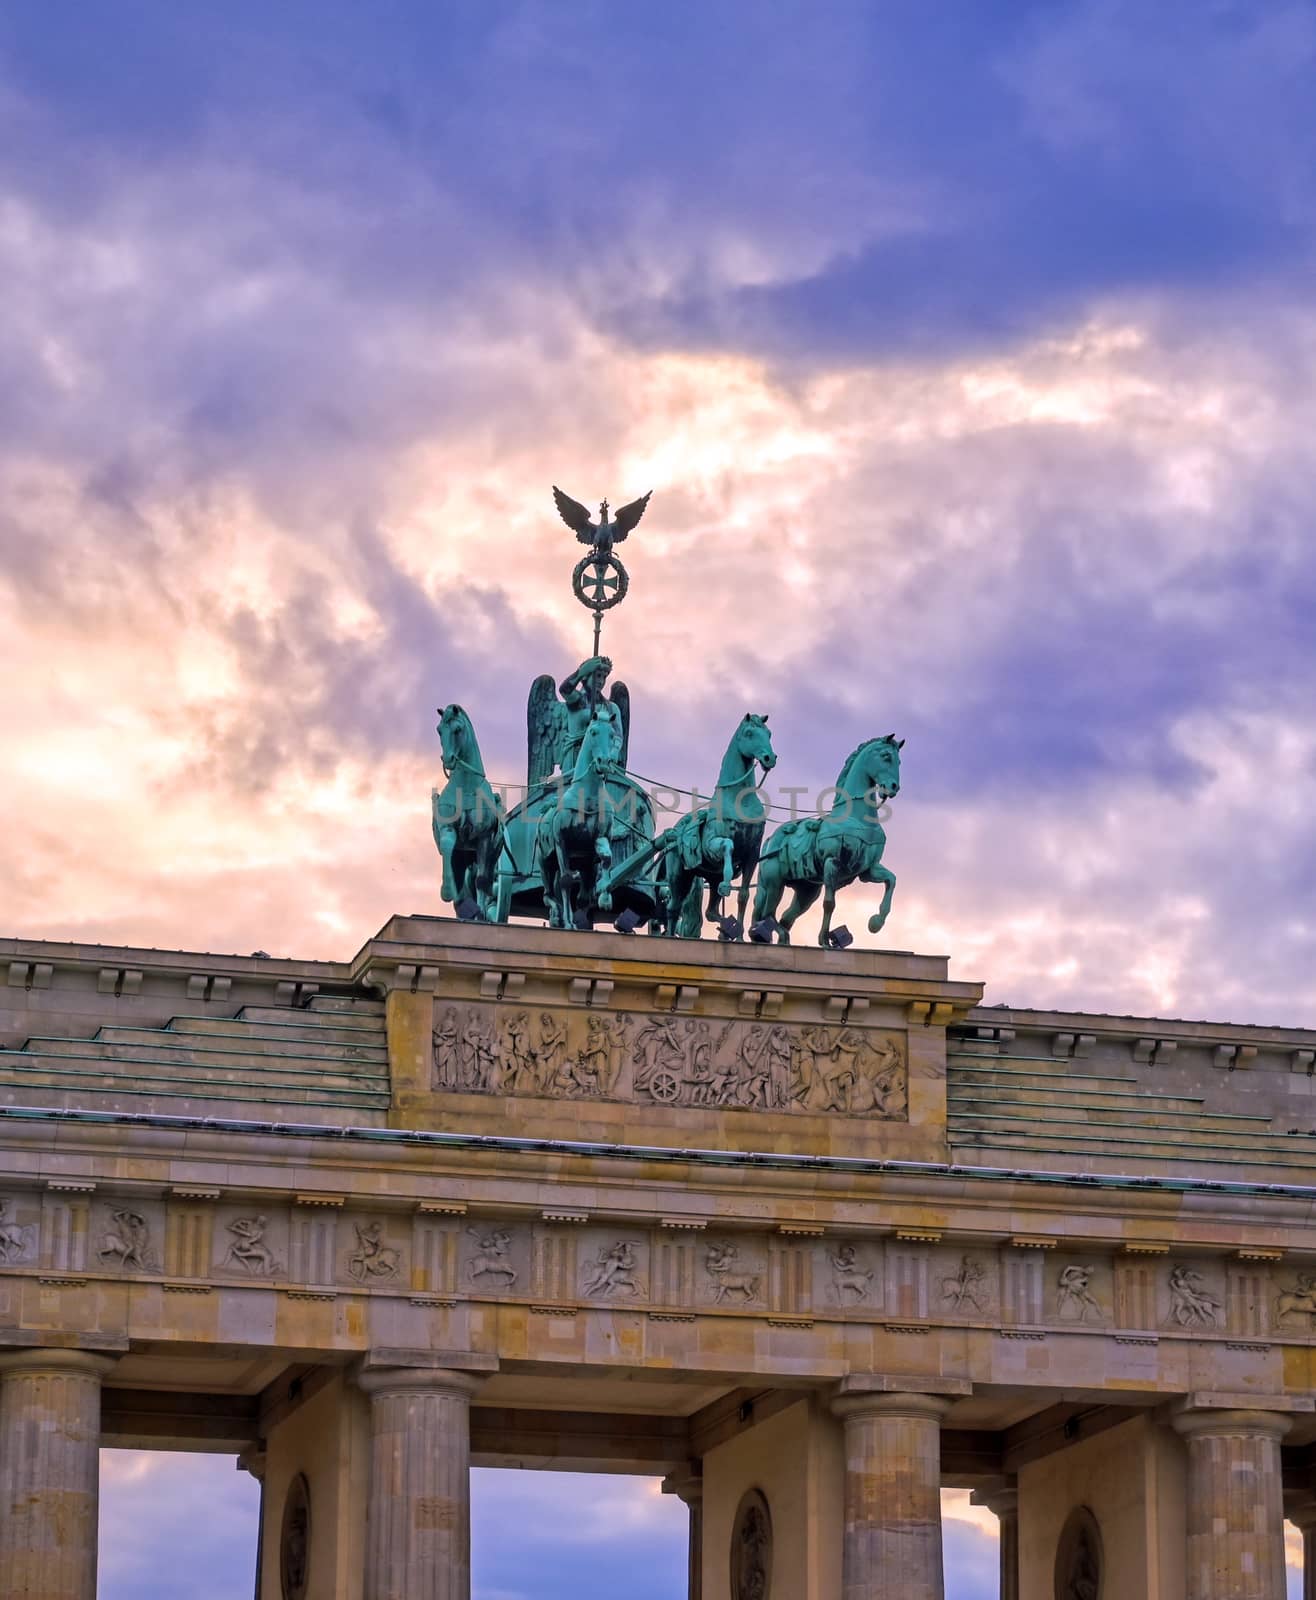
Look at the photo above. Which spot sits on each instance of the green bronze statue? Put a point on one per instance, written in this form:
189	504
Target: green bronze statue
555	727
468	815
720	842
574	842
819	855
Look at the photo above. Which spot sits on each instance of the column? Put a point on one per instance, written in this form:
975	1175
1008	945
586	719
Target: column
418	1520
50	1436
892	1496
253	1460
689	1487
1235	1504
1003	1503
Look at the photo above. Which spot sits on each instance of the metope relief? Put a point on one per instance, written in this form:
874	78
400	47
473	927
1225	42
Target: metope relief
732	1275
249	1250
125	1242
1192	1304
686	1062
967	1291
494	1259
851	1277
1299	1301
1075	1295
18	1241
371	1257
615	1271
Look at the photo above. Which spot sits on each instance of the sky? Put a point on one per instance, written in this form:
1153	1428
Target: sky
969	351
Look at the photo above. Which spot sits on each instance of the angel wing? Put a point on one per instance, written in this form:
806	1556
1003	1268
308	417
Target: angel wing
627	517
544	714
575	515
621	698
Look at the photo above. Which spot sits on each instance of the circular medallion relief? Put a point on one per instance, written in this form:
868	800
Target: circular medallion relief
1079	1560
295	1540
751	1548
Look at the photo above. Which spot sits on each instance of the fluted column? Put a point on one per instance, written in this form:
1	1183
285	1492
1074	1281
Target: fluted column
1235	1504
418	1522
50	1436
689	1487
1003	1503
892	1496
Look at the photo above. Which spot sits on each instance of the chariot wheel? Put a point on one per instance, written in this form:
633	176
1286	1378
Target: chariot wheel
665	1086
600	582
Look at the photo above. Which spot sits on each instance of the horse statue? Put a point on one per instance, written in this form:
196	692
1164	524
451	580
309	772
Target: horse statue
468	815
573	844
719	842
823	854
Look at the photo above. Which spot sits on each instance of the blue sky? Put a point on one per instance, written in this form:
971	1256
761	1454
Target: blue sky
969	351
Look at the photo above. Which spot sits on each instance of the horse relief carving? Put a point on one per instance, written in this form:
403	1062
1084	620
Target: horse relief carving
964	1289
731	1282
491	1264
1299	1301
372	1258
613	1271
850	1281
688	1062
126	1242
1190	1304
248	1249
17	1242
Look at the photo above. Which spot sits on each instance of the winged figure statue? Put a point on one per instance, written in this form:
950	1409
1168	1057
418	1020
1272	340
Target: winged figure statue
556	726
603	534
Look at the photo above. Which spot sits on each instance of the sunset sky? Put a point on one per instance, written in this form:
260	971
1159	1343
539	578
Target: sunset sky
969	350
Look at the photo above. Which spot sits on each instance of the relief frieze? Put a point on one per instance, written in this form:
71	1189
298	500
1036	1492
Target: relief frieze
685	1062
18	1241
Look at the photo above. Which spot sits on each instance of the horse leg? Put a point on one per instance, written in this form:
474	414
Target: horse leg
805	895
447	845
685	905
771	887
886	876
566	886
743	902
728	871
830	875
602	861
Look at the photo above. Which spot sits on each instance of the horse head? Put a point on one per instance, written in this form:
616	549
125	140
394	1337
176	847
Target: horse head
875	765
753	741
598	746
456	737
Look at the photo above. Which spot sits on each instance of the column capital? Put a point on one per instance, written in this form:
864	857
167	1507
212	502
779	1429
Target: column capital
87	1363
420	1380
1002	1500
1236	1422
687	1484
913	1406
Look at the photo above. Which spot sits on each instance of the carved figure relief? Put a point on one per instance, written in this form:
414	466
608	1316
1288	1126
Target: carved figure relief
1075	1301
126	1242
17	1242
962	1291
1079	1558
1190	1304
676	1061
722	1262
372	1258
1299	1301
613	1271
295	1541
850	1280
248	1249
751	1548
491	1263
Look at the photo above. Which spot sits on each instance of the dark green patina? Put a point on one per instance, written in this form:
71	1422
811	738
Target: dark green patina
580	846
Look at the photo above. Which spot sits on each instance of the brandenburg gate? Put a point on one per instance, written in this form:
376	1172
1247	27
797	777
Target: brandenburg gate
806	1229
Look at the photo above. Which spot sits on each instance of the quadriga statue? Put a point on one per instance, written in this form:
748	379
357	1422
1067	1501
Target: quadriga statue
468	816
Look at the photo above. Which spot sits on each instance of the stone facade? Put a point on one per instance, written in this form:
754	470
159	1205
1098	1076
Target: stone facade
814	1227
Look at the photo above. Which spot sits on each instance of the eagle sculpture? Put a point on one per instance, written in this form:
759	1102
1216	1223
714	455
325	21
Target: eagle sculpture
602	535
